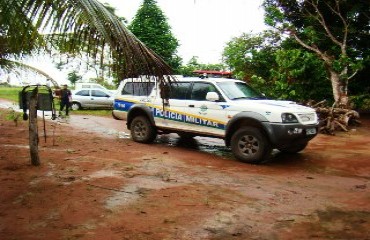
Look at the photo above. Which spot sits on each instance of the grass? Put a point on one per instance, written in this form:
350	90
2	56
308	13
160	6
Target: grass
11	93
102	113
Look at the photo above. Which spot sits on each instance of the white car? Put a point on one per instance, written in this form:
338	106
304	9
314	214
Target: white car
79	86
214	107
92	98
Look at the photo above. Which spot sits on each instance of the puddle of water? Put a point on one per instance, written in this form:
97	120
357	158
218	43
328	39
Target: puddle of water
127	195
15	146
203	144
104	173
123	135
135	190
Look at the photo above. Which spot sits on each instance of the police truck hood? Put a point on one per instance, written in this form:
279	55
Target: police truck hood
281	105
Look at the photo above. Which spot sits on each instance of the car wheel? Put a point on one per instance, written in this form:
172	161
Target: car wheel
142	130
293	149
249	145
114	116
76	106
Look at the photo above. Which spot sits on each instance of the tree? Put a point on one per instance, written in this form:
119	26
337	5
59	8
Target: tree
278	67
252	54
73	77
193	64
328	29
74	26
151	27
298	75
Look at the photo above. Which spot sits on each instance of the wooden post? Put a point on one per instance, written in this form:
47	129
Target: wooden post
33	129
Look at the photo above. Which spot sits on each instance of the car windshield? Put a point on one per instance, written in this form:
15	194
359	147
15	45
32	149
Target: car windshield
239	90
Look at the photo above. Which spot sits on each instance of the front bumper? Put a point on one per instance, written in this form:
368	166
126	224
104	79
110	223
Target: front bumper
284	135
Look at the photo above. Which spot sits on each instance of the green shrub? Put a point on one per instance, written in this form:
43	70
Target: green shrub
360	102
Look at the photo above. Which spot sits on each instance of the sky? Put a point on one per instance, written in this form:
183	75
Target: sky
202	27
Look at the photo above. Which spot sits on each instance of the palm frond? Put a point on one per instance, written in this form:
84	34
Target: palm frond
9	66
17	33
82	25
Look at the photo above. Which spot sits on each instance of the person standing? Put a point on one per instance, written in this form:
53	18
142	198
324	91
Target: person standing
65	97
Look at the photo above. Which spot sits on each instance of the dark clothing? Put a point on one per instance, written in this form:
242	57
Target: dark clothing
65	95
62	105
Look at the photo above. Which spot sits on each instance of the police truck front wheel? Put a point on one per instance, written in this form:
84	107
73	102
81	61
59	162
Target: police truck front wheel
249	145
142	130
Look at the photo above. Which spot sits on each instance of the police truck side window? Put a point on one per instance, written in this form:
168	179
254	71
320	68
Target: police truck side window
138	88
127	89
179	90
200	90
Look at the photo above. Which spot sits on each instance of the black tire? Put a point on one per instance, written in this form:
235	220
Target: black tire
294	148
76	106
249	145
142	130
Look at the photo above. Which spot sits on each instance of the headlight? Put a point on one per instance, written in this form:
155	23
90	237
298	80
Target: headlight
288	118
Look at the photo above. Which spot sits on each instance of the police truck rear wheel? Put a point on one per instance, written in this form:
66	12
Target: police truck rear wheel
142	130
249	145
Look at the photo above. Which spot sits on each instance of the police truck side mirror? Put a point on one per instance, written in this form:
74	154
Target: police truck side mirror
212	96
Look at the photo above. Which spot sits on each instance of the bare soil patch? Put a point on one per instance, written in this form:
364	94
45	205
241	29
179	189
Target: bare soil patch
98	184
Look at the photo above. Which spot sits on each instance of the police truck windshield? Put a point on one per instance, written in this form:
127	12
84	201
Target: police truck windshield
239	90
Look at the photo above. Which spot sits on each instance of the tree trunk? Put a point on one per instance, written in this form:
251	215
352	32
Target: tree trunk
339	88
33	129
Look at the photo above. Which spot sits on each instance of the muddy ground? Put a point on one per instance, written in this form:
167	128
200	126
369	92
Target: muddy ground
96	183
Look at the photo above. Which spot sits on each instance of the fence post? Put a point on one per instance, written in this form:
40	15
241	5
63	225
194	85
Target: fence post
33	129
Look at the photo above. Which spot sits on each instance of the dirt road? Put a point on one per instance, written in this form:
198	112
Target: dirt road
96	183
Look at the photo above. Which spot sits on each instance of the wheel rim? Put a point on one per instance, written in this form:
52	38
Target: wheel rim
75	106
140	130
248	145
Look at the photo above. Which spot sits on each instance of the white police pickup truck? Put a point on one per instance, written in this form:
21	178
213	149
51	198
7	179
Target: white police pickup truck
215	107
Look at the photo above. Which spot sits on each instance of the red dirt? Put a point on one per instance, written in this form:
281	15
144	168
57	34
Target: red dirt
93	184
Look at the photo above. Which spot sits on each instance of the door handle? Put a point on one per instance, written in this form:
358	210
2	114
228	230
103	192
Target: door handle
191	105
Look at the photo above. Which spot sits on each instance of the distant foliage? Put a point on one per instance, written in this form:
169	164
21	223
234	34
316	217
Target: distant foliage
151	27
287	61
285	70
73	77
336	31
103	82
279	68
193	64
